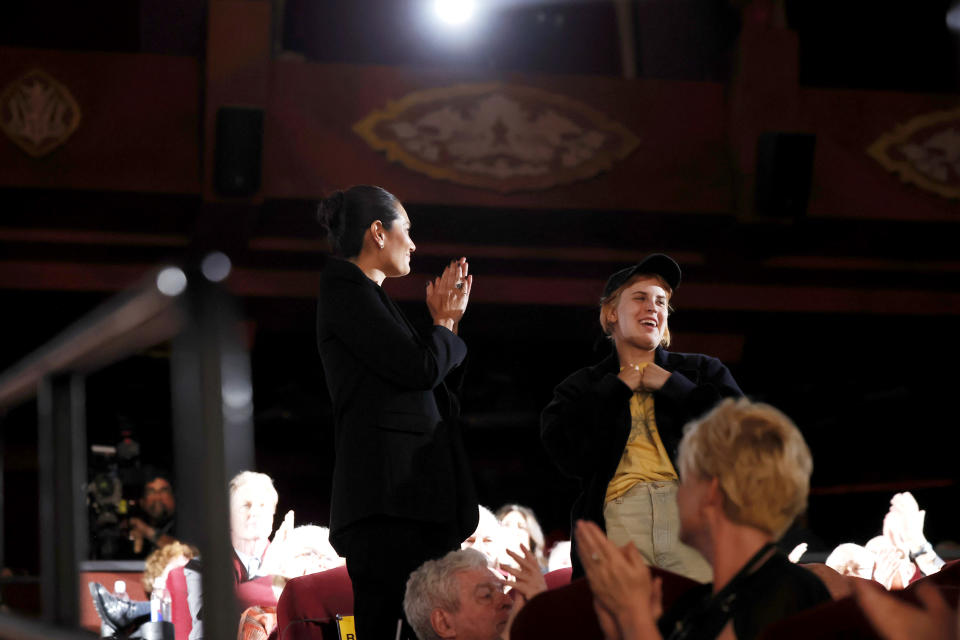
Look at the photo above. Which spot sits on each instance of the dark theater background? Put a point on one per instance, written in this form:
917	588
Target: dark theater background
799	158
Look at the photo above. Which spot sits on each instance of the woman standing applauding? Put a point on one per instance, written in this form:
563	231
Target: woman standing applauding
402	489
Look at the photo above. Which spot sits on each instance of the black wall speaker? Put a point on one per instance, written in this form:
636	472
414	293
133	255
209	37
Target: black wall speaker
238	151
784	173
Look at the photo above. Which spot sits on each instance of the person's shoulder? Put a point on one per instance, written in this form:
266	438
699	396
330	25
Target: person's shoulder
679	358
591	372
337	270
685	602
342	281
781	574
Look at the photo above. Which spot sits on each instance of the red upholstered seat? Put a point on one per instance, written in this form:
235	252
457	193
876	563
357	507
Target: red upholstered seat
567	611
179	610
310	603
947	579
256	592
558	577
837	620
843	618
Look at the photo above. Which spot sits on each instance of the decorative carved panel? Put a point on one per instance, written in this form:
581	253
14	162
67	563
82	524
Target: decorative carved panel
925	152
38	113
495	136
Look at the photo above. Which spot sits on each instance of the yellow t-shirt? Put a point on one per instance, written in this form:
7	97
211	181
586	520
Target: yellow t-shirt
644	458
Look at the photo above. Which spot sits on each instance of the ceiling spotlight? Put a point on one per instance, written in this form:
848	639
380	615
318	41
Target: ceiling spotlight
454	12
953	17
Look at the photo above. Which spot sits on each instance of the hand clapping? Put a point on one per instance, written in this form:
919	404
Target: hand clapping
625	594
447	296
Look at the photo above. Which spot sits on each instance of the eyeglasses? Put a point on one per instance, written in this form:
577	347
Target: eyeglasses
485	592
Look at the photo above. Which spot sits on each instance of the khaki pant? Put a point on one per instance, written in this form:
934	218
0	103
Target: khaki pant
647	515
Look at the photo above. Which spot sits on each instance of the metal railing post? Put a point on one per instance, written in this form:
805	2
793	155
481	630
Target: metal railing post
213	438
63	518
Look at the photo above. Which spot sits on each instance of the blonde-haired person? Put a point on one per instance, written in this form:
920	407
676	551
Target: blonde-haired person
615	426
162	561
745	472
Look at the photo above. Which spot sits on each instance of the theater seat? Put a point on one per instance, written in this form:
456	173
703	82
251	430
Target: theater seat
947	580
835	620
179	610
567	611
558	577
309	605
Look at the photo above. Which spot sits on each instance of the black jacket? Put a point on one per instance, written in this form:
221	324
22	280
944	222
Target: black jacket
399	452
585	427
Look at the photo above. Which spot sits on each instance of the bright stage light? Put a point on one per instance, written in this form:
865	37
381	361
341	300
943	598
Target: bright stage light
454	12
953	17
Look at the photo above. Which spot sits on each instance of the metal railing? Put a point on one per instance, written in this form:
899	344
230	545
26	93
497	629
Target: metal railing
212	400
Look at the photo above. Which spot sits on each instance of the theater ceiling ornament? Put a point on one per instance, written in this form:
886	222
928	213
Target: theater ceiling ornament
38	113
925	151
496	136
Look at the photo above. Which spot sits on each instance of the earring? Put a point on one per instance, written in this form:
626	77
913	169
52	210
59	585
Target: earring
381	245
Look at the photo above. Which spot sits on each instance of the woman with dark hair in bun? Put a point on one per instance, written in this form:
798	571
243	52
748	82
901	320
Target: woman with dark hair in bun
402	489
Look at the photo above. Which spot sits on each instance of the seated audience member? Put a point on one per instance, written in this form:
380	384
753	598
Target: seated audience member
306	550
460	596
124	616
158	508
745	475
488	538
161	562
253	503
893	568
903	525
850	559
520	527
559	557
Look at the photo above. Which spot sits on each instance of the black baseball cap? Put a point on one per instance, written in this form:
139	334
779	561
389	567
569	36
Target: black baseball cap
655	263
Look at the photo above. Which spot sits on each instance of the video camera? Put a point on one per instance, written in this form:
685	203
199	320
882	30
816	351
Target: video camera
113	469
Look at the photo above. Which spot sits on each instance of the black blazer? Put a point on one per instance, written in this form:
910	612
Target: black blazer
585	427
399	451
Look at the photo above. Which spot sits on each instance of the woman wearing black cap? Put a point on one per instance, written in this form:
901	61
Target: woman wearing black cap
402	491
616	425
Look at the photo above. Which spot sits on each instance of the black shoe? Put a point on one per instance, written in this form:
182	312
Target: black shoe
117	615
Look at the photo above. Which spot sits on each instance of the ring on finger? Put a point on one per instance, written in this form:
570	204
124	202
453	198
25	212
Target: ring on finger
596	557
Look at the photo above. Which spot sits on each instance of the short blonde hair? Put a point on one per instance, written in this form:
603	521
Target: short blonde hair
262	480
759	457
607	304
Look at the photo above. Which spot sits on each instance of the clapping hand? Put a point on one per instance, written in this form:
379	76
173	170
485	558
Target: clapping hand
528	578
448	295
903	524
276	552
621	582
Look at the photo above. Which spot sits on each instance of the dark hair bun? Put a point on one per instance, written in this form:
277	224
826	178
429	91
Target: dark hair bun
330	214
345	216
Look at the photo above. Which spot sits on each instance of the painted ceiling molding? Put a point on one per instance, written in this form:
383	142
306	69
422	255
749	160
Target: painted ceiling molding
924	151
499	137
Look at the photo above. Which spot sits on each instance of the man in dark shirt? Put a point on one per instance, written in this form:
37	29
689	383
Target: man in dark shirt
153	526
745	475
